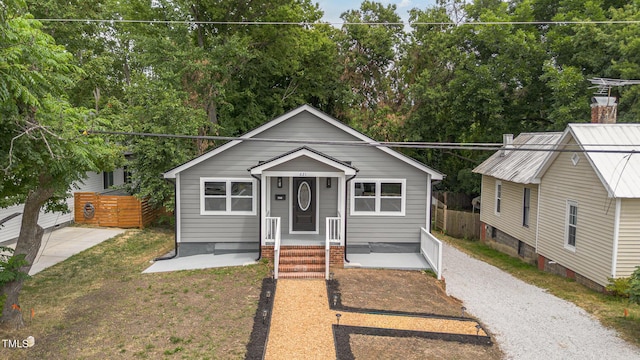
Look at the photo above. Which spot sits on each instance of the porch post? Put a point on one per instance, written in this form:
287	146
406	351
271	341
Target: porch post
263	203
429	205
341	206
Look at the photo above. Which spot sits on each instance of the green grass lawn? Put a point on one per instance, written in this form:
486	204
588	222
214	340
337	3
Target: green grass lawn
608	309
98	304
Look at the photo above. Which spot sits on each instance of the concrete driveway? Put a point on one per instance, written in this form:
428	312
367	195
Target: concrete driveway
60	244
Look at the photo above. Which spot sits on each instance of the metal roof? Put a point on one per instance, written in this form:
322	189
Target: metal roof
619	171
520	166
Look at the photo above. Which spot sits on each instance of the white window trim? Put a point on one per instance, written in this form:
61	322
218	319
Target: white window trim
403	184
498	198
566	226
228	196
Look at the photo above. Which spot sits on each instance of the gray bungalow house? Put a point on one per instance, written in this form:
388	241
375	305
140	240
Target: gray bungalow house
301	189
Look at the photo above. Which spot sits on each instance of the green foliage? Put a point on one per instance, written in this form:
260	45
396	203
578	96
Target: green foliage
437	83
634	286
619	287
10	266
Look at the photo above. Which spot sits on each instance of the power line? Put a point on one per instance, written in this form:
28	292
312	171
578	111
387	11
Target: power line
304	23
413	145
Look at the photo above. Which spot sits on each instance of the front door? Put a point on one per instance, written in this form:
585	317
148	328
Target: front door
303	200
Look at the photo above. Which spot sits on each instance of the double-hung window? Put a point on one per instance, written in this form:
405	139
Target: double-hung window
498	196
571	227
526	207
219	196
378	197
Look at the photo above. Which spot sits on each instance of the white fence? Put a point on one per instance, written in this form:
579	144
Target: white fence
431	249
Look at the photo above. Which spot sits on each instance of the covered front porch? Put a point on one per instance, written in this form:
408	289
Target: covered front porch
302	205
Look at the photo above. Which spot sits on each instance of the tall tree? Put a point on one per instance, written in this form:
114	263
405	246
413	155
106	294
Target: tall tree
42	149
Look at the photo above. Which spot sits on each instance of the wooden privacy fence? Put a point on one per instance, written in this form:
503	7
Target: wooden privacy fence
112	210
460	224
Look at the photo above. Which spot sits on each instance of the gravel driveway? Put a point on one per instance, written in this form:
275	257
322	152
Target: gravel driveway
526	321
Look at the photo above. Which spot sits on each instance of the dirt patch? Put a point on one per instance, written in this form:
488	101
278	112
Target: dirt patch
395	290
402	292
413	348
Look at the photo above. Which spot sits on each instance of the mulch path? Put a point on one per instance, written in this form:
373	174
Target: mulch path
303	324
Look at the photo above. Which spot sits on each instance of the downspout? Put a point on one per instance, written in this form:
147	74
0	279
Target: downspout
346	193
175	227
259	218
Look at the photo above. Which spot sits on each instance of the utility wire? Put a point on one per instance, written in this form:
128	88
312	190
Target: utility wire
304	23
413	145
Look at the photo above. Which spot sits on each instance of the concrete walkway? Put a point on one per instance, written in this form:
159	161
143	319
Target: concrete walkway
526	321
396	261
60	244
204	261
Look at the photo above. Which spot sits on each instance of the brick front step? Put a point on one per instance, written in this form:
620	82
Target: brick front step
301	275
301	260
286	252
301	268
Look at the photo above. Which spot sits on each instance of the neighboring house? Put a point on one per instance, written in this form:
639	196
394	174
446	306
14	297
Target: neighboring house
509	206
589	208
575	211
95	182
236	197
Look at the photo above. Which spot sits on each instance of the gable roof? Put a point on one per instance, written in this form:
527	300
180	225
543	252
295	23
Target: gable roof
435	175
619	169
306	152
520	166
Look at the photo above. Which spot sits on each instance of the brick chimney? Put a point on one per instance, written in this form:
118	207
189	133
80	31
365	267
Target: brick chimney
604	110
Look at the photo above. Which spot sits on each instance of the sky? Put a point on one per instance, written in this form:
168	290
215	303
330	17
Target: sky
333	8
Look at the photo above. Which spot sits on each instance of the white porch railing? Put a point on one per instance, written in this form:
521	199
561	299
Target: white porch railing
431	249
333	229
271	228
333	233
272	233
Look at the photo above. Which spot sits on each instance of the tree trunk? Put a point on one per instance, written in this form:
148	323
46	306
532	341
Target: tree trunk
28	243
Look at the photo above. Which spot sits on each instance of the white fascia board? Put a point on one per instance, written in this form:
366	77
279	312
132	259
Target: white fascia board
303	152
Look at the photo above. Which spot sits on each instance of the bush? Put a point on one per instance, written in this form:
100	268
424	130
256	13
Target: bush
619	287
634	286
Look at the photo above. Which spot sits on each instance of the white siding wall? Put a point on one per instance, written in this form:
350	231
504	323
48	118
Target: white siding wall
510	219
93	183
629	237
596	212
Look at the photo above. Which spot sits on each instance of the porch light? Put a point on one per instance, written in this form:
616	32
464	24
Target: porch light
477	329
335	299
265	312
328	182
268	294
338	318
330	276
279	182
463	310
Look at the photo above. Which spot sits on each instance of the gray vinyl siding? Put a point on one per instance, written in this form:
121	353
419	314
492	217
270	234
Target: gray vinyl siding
595	223
280	208
512	206
235	161
628	237
304	164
